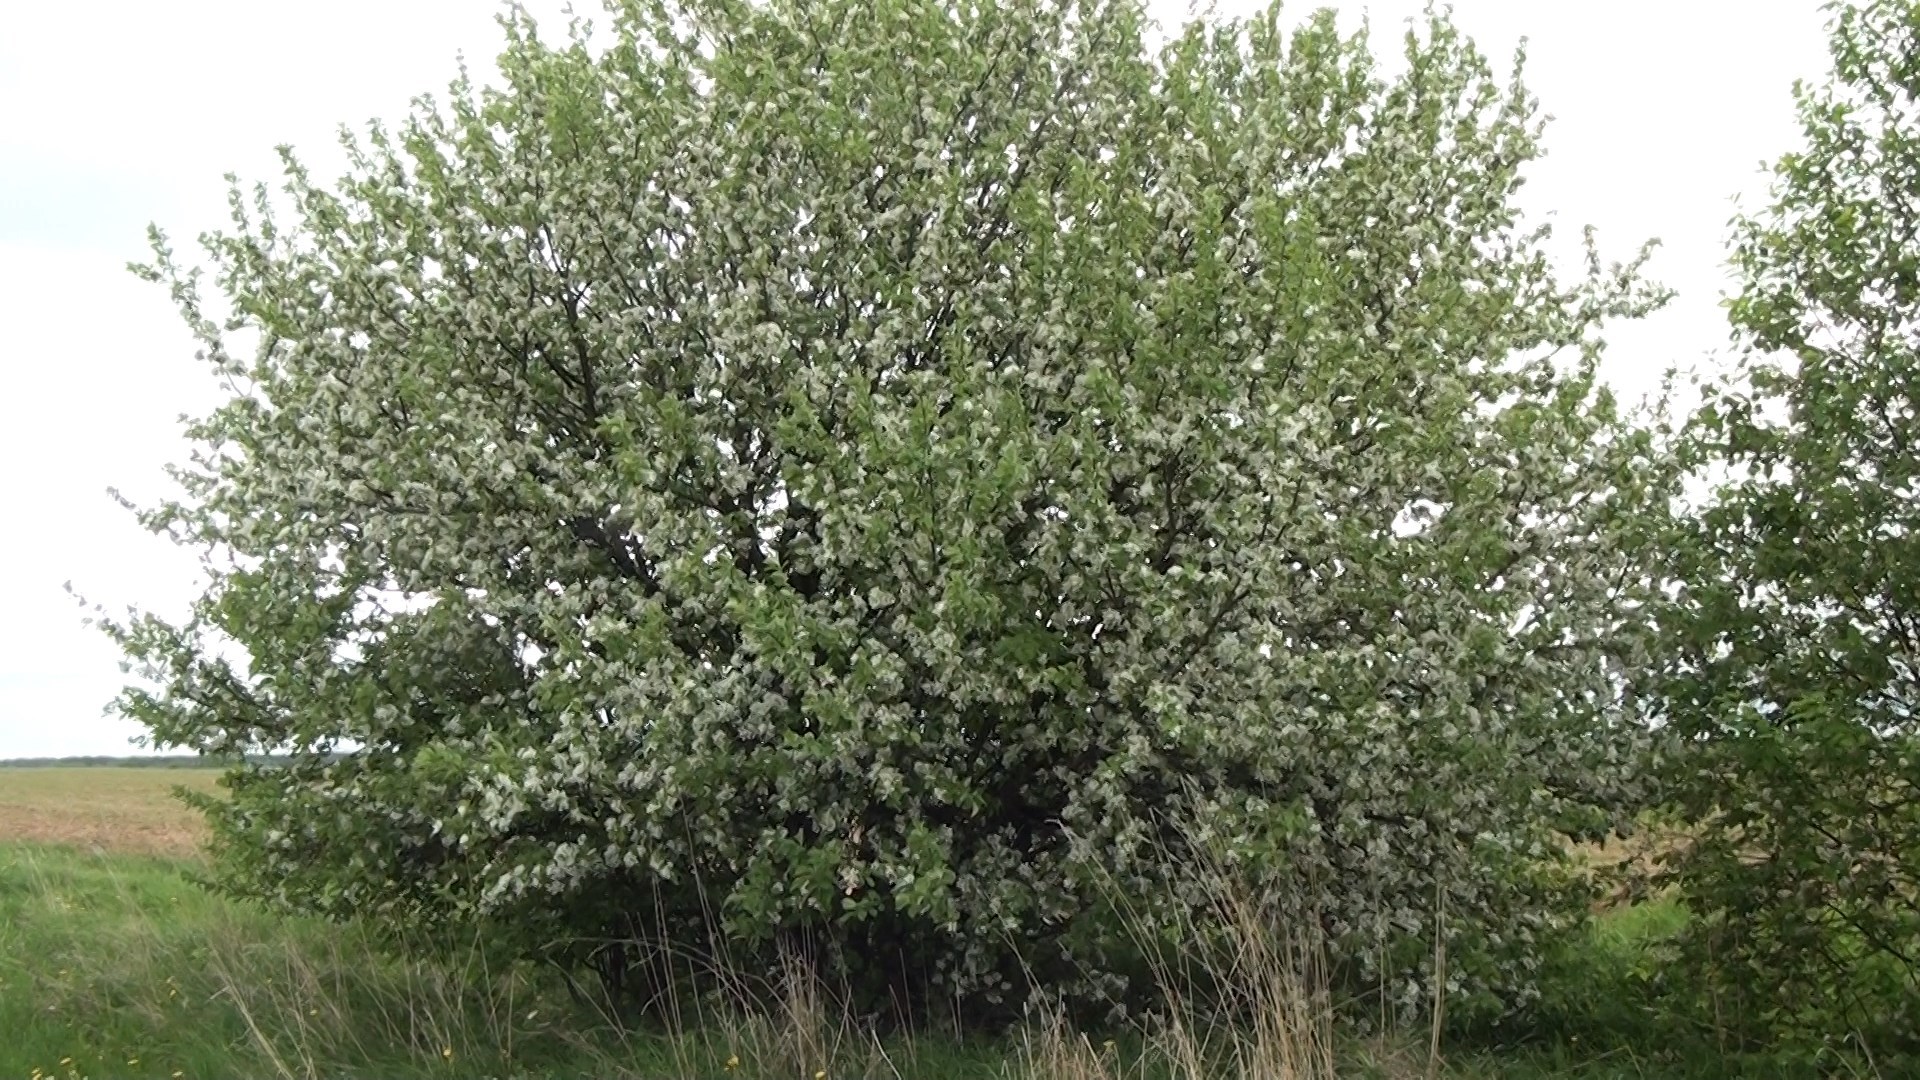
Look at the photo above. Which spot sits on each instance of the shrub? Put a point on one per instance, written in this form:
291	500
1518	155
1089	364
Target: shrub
1793	669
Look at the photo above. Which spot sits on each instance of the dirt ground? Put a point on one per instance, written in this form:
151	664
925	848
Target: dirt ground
110	809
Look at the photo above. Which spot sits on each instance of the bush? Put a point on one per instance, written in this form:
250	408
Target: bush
852	475
1793	672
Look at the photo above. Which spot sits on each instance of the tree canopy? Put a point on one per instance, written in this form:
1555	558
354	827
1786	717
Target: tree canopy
879	473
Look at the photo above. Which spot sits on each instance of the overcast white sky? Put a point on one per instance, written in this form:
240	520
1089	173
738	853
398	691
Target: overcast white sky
114	113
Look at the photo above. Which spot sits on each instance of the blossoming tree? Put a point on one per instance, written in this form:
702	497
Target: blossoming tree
883	473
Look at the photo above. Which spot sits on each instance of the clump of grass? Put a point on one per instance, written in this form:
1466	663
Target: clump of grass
788	1024
1267	1011
804	1029
310	1005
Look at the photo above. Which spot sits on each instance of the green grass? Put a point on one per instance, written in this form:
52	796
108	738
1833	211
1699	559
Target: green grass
123	966
100	965
120	965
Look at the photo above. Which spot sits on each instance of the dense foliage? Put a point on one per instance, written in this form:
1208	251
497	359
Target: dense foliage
1794	668
882	474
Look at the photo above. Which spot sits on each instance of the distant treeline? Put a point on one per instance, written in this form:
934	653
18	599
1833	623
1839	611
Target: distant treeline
152	761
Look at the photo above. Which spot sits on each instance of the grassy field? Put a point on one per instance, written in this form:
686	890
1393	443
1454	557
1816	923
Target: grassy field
114	962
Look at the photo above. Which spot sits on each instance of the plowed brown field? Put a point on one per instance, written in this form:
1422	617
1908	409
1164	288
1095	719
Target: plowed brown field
110	809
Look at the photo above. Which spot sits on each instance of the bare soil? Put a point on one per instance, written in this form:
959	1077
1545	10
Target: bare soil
130	811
